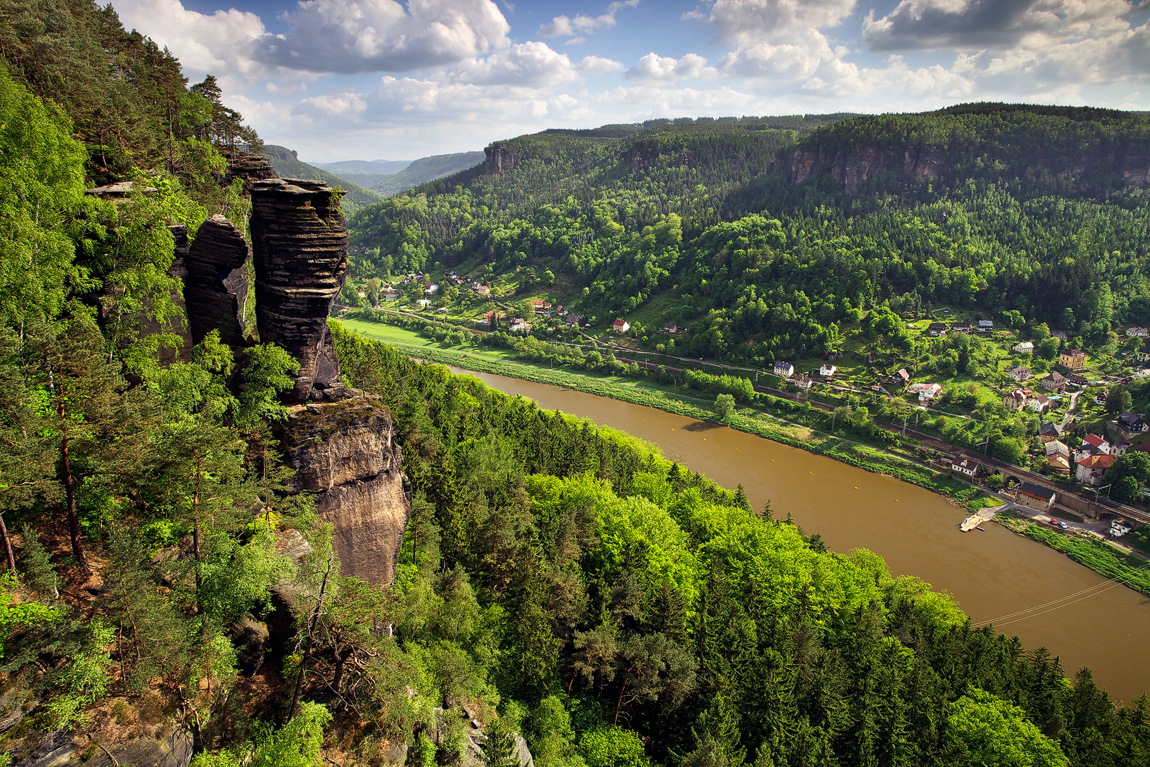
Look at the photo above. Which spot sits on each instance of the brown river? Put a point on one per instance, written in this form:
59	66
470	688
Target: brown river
995	575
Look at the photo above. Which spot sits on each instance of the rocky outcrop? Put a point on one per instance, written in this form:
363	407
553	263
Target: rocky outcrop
854	167
342	449
248	167
171	750
216	283
300	243
499	159
473	755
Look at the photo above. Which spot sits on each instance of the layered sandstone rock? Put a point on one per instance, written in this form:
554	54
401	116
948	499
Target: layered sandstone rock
216	284
300	243
498	159
248	167
863	163
342	449
1130	160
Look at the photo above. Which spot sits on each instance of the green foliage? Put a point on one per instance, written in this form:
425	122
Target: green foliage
499	750
15	614
724	406
296	744
612	747
85	678
41	189
992	732
269	372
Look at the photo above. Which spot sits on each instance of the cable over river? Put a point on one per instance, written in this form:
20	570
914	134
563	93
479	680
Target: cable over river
1022	586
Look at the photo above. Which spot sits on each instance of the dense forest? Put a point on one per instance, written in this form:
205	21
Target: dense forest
1027	211
560	580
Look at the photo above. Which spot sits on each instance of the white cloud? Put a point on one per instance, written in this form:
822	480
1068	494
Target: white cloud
750	21
206	44
594	65
528	65
351	36
564	26
656	68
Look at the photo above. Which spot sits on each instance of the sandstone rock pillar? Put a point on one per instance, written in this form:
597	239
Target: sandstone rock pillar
300	243
216	284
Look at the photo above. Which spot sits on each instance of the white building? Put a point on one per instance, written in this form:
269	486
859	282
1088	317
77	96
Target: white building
784	369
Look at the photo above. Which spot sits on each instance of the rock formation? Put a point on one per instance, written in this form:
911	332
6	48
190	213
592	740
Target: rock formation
343	450
851	167
216	285
864	162
499	159
249	167
300	243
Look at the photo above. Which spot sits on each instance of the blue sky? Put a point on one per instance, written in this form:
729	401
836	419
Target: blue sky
401	79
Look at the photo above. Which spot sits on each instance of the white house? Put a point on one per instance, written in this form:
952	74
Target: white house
985	326
1019	373
828	370
621	326
1138	332
804	382
784	369
926	392
966	466
1025	347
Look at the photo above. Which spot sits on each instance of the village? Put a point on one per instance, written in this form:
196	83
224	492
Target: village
1077	413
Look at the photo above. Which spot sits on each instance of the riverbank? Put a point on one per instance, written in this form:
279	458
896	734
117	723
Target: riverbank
1089	552
747	419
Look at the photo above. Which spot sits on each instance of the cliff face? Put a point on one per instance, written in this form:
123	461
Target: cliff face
855	167
499	159
300	243
1130	160
343	449
216	285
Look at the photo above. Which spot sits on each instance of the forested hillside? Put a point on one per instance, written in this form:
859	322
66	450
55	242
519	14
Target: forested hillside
165	591
769	248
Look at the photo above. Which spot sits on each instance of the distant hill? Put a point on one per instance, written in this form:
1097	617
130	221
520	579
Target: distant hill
288	165
364	167
365	173
764	236
428	169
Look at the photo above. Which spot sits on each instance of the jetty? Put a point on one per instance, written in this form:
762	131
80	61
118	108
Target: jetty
976	519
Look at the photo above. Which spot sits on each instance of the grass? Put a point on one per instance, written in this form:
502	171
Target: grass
1098	556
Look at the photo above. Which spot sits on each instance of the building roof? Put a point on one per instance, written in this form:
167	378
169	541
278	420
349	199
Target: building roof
1098	461
619	323
1094	440
1036	491
1075	353
1057	446
1049	428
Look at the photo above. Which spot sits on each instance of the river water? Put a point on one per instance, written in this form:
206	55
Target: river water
993	574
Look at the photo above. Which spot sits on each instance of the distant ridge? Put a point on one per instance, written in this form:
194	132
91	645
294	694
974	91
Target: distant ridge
288	165
428	169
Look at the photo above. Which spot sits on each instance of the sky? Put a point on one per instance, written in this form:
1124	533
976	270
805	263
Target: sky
403	79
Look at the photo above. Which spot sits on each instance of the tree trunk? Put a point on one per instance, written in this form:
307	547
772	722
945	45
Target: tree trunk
70	494
619	702
7	545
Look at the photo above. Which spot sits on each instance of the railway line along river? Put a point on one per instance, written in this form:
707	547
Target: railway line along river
1022	586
